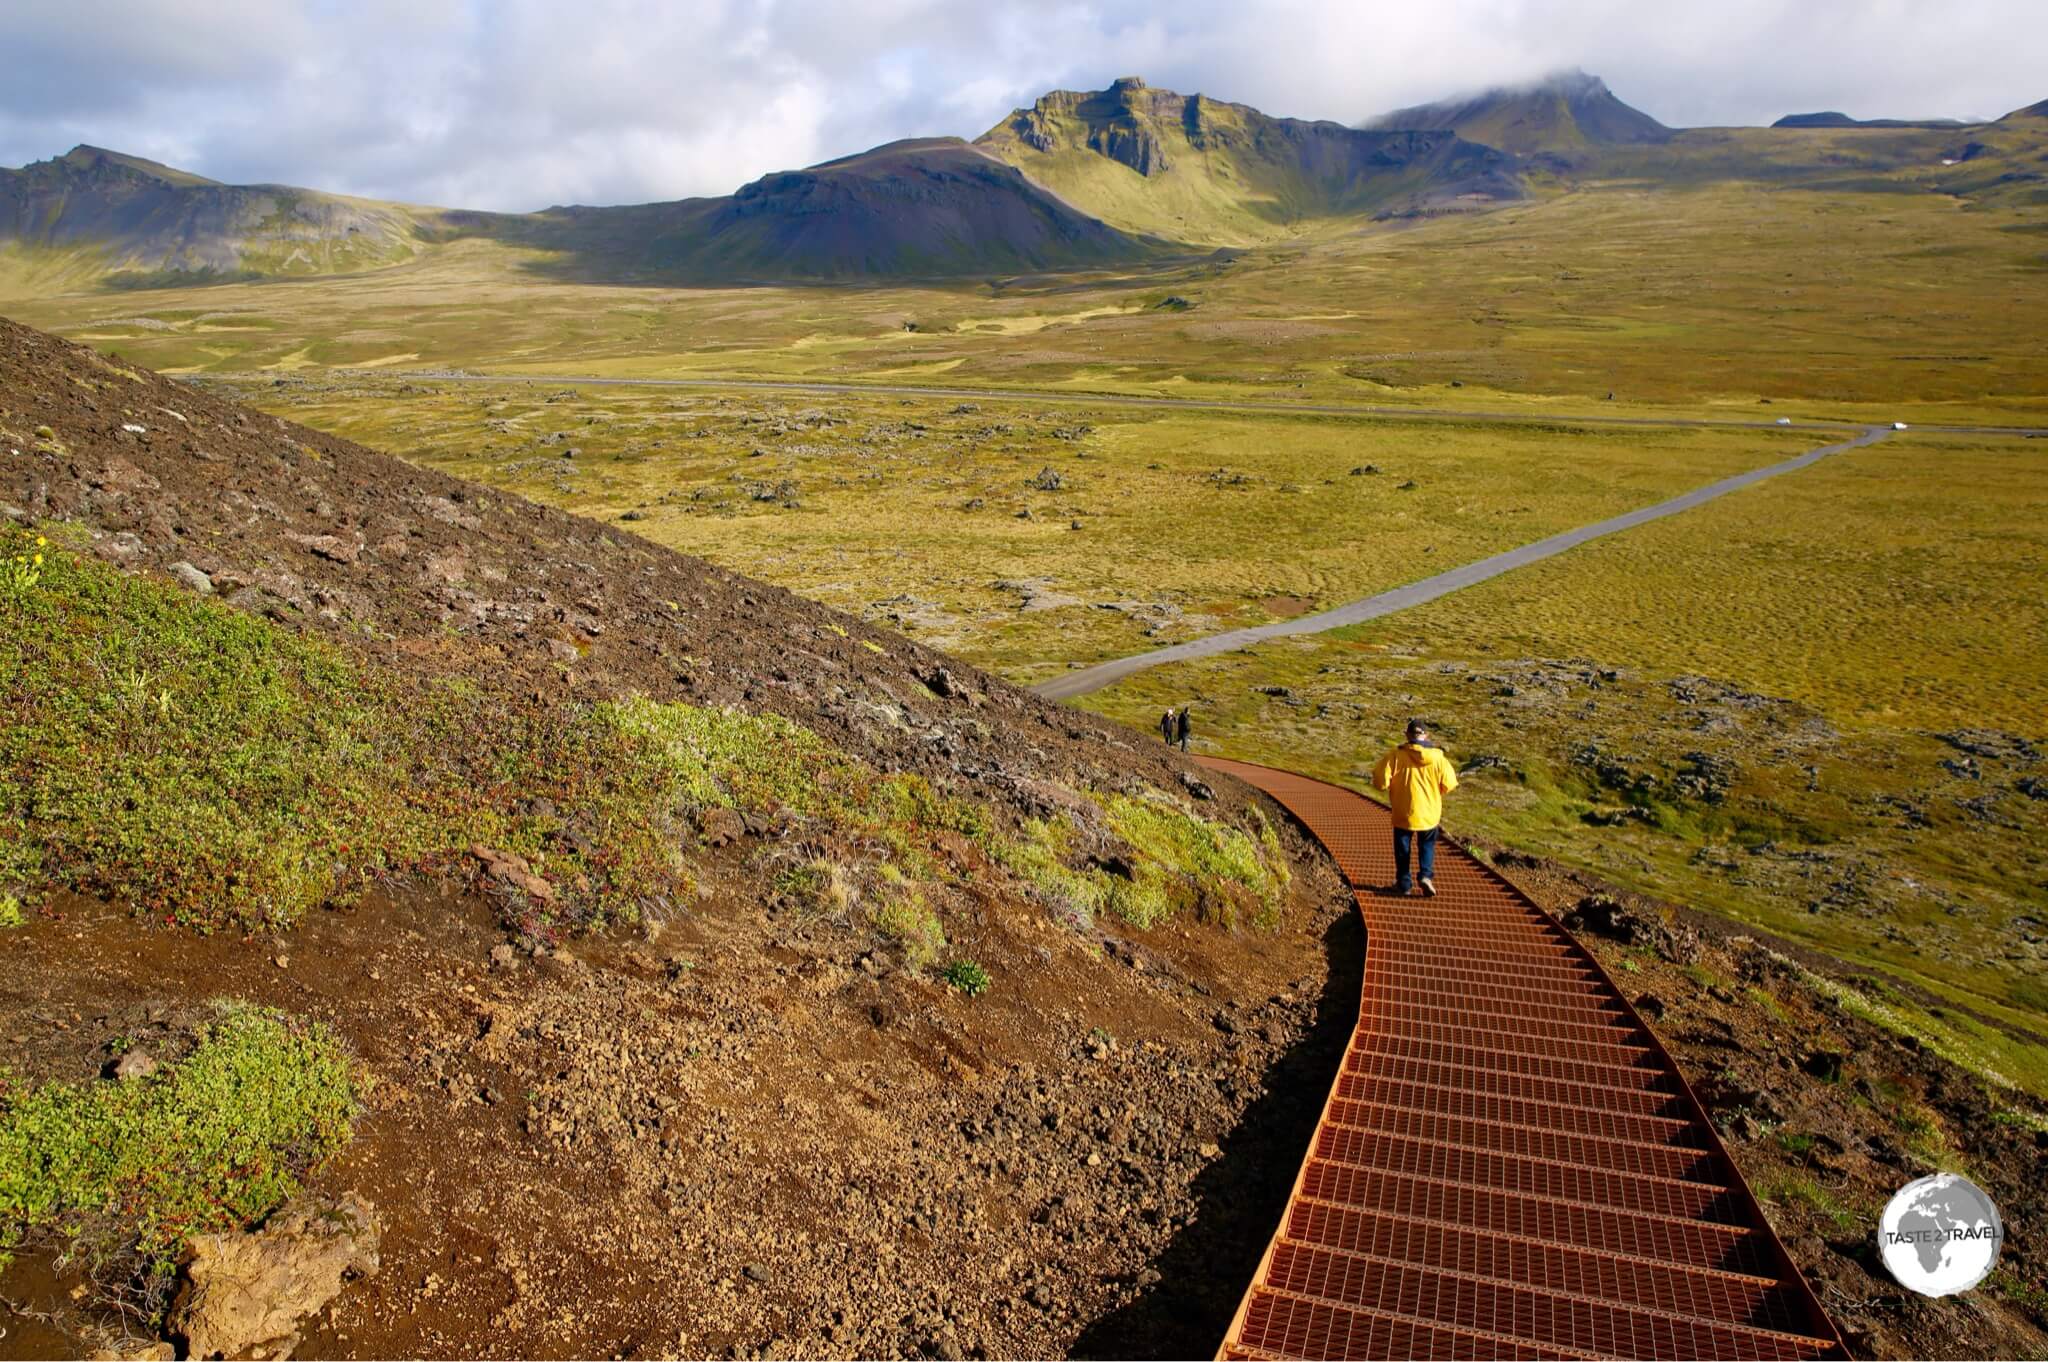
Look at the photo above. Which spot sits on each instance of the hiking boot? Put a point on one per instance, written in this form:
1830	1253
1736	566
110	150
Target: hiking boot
1428	887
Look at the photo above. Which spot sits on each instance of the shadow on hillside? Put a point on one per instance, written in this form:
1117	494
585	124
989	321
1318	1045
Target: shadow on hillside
1239	1198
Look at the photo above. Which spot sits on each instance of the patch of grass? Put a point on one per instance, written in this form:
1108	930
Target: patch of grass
1038	858
1176	861
1705	978
2025	1294
211	768
1795	1189
724	757
1794	1142
967	976
1763	1000
119	1175
901	914
10	911
1189	861
818	888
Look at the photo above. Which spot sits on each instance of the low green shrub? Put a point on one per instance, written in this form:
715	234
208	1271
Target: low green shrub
122	1173
967	976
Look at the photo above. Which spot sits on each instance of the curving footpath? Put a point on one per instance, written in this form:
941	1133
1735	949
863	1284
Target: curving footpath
1509	1163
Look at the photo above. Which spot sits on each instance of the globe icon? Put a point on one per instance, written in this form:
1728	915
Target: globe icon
1940	1235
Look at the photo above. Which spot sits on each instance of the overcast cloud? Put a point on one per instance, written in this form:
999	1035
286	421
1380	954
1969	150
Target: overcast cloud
524	103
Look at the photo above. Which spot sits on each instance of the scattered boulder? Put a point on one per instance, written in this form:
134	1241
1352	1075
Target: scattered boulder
721	827
248	1294
1603	916
1048	480
134	1066
510	871
192	577
332	547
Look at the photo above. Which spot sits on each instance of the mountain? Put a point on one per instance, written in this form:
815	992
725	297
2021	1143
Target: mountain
1834	119
1191	168
144	219
910	209
914	209
1564	114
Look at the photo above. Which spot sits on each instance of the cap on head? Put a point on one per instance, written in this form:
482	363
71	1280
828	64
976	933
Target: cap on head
1417	730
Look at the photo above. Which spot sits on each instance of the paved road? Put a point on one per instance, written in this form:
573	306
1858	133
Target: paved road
1094	678
1087	399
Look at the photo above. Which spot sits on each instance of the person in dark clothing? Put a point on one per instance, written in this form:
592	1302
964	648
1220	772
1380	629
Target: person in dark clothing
1166	728
1183	725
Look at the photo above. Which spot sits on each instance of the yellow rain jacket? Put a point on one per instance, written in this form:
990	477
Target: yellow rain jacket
1417	779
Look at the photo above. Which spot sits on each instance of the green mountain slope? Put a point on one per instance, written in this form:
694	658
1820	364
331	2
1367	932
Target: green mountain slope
1190	168
144	219
1564	114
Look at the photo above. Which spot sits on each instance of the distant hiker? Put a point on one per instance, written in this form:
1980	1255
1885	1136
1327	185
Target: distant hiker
1416	775
1166	727
1182	725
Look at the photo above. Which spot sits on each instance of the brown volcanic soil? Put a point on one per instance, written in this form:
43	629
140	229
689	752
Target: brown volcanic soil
743	1132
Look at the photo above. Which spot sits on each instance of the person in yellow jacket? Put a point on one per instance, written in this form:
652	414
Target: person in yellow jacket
1416	776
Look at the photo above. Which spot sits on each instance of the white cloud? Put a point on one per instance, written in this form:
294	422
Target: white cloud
521	103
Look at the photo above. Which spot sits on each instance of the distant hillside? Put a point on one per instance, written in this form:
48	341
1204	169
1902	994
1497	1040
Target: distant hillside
1833	119
1191	168
913	209
922	208
1565	114
145	219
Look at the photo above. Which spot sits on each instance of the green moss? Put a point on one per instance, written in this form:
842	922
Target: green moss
212	768
128	1171
1185	860
1177	861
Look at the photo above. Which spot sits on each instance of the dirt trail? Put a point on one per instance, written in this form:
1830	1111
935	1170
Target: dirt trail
1090	679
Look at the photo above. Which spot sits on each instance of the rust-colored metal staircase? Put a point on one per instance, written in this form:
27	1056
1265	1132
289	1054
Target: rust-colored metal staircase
1509	1164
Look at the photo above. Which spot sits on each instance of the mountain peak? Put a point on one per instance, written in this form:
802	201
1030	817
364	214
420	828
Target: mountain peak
86	157
1573	83
1565	112
1194	169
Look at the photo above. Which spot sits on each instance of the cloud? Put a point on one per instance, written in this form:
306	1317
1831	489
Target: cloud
521	103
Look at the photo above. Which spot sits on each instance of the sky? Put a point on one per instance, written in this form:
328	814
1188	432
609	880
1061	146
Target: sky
519	104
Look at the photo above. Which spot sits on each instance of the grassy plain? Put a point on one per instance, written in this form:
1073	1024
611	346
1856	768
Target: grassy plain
1143	528
1865	306
1813	706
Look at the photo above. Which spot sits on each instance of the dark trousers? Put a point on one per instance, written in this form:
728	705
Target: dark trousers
1425	853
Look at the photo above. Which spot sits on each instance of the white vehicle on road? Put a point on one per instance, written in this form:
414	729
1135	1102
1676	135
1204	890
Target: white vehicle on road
1784	420
1898	425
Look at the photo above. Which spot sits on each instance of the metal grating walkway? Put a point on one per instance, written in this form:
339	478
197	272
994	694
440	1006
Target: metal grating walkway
1509	1164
